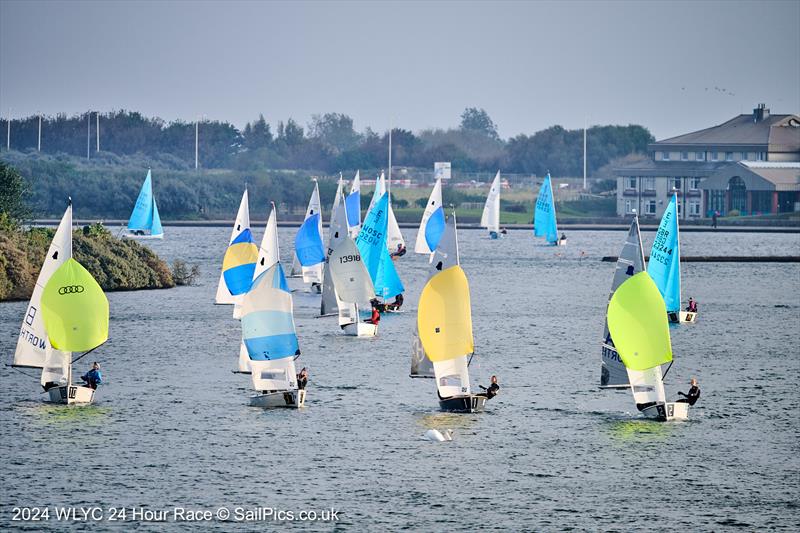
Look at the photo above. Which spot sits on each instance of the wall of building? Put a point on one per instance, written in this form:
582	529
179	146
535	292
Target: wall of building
649	196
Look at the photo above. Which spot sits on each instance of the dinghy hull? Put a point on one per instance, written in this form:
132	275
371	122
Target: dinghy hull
561	242
268	400
667	412
682	317
473	403
141	237
73	394
360	329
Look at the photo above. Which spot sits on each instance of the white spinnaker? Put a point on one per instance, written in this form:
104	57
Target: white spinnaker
277	375
33	343
356	187
434	203
338	231
452	377
312	274
242	222
491	211
630	262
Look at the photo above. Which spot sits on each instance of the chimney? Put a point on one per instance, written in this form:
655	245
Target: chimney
760	113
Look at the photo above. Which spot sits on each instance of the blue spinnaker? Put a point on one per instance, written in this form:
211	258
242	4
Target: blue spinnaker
544	218
371	242
664	266
353	206
434	228
308	242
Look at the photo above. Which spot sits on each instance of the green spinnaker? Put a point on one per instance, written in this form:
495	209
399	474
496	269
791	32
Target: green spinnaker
74	309
637	320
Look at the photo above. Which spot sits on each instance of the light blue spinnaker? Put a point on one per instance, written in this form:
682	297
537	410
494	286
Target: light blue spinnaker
353	206
268	327
434	228
371	242
665	258
145	213
544	218
308	242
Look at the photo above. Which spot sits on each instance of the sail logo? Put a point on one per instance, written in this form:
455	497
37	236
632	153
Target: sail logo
70	289
33	339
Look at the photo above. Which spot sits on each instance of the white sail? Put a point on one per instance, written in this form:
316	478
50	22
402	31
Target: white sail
32	344
491	211
268	253
242	222
434	203
452	377
312	274
56	369
647	386
380	189
243	363
446	254
338	231
630	262
350	276
394	238
277	375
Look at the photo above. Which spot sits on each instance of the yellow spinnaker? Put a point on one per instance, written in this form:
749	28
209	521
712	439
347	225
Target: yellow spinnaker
74	309
637	320
444	317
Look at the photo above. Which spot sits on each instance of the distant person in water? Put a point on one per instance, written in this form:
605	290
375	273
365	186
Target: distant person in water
503	231
302	379
692	307
693	395
376	315
492	390
563	237
714	219
93	377
396	304
400	252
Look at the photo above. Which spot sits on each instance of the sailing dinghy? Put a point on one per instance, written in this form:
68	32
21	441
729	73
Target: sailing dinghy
68	312
490	218
145	222
544	218
665	264
371	242
444	326
329	303
270	339
432	225
637	320
239	234
308	243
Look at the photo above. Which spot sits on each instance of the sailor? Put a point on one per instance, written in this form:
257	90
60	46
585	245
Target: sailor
397	303
376	315
493	389
692	307
400	252
503	231
693	395
93	378
302	379
563	236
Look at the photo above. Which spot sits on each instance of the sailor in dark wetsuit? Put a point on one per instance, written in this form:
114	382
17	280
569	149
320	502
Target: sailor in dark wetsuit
302	379
400	252
693	395
492	390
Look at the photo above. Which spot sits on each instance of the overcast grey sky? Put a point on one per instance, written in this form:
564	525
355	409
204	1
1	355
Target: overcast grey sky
417	65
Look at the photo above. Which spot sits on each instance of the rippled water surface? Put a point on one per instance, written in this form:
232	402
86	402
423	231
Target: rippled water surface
172	426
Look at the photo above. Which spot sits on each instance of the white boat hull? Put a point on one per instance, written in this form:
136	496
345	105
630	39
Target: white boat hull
360	329
667	412
73	394
561	242
141	237
682	317
291	398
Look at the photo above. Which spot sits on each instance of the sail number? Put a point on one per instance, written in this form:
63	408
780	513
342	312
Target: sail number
349	258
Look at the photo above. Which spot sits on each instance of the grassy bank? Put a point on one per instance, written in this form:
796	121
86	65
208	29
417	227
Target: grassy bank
116	264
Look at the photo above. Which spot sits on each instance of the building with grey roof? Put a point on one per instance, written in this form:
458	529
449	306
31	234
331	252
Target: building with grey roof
695	165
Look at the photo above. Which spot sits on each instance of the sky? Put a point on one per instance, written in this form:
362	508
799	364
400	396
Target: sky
672	67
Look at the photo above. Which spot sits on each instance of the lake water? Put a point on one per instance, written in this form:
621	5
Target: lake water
172	426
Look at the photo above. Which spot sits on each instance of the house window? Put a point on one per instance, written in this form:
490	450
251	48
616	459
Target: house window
694	183
665	156
631	183
700	156
715	156
728	156
760	156
694	209
649	184
744	156
628	207
676	184
684	156
680	210
651	207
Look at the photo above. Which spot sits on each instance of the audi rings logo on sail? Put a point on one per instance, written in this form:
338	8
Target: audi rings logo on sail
70	289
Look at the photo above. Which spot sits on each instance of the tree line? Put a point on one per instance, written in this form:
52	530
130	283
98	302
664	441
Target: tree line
328	143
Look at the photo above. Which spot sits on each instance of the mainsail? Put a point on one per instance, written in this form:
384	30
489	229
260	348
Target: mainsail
665	258
338	231
637	320
145	215
544	218
269	332
32	344
311	273
354	206
432	225
490	218
371	242
242	222
350	279
629	263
